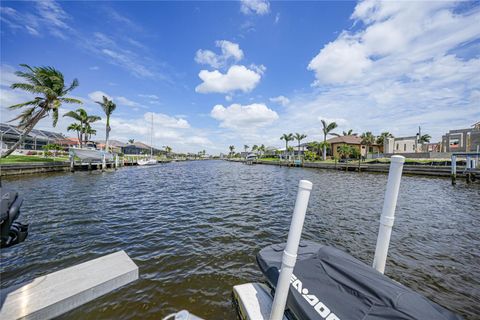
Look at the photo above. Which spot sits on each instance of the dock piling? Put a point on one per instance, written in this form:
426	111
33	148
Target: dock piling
388	212
454	169
290	252
72	163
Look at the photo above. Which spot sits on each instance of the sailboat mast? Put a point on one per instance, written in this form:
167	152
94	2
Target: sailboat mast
151	139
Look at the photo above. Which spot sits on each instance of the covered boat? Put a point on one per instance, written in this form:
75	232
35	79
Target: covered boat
91	154
328	283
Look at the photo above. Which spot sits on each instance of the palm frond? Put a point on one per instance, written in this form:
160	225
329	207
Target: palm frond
28	103
74	115
70	100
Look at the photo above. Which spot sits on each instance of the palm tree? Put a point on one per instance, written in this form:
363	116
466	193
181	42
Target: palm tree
131	141
327	129
168	150
287	137
85	121
232	148
383	136
316	147
49	86
368	139
254	148
299	137
245	147
108	107
89	131
262	150
76	127
424	138
344	150
346	133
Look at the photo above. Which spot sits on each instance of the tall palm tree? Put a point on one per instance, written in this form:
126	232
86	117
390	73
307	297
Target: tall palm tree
85	120
232	148
89	131
108	107
345	133
287	137
76	127
131	141
327	129
246	147
383	136
262	149
425	138
368	139
299	137
168	150
254	148
49	86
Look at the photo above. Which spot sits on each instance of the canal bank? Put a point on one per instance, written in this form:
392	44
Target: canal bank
15	169
410	169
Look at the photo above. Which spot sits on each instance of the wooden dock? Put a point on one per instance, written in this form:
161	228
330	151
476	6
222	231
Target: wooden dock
56	293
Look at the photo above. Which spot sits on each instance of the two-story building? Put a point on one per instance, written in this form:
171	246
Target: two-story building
462	140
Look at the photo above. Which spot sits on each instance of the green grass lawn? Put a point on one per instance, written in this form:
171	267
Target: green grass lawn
26	159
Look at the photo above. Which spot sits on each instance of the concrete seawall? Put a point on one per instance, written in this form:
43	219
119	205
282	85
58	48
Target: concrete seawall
426	170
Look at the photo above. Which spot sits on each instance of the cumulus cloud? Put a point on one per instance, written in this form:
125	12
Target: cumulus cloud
237	78
260	7
237	116
395	38
98	96
281	100
230	52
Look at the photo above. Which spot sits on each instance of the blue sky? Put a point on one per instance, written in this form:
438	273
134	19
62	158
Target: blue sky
214	74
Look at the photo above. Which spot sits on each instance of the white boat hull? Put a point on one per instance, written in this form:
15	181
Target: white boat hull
147	162
91	154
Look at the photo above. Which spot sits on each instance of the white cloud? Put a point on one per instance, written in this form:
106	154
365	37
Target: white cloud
149	96
237	78
230	51
98	96
128	61
127	102
259	7
281	100
166	121
94	68
237	116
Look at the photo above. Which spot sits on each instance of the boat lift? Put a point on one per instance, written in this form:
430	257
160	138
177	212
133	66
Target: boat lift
255	301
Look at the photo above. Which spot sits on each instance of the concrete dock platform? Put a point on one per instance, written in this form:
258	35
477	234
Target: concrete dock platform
51	295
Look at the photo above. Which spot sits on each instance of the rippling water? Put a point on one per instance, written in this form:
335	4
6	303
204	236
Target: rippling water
193	228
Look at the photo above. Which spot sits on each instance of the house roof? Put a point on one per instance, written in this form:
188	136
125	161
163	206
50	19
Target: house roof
345	139
68	141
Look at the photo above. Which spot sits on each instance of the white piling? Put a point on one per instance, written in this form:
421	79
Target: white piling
454	169
388	212
116	161
104	163
290	253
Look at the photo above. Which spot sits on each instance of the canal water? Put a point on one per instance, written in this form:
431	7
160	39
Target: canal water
193	228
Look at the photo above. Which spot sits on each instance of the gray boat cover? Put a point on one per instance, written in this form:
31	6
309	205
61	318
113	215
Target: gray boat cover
327	283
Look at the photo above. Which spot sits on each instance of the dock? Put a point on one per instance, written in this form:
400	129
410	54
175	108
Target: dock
49	296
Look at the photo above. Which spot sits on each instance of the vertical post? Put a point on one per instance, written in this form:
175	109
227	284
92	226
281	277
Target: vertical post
388	212
290	253
104	162
116	161
454	169
72	163
89	166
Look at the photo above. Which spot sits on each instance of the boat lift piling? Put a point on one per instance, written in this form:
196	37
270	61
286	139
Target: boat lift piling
290	253
454	169
388	212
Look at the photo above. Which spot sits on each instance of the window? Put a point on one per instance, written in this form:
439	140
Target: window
397	146
404	147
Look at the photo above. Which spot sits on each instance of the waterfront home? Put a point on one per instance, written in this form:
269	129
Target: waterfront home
401	145
139	148
115	146
35	140
462	140
354	142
